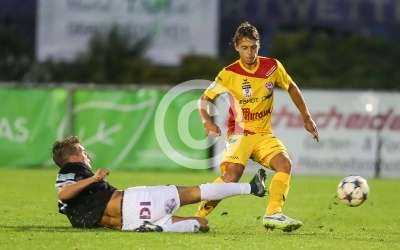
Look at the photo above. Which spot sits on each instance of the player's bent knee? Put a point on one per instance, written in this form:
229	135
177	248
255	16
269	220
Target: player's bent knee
281	163
233	172
286	166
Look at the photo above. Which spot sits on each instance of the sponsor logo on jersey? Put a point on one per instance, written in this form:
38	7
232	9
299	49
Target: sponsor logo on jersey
266	97
233	157
246	87
212	85
64	177
169	206
270	71
251	116
269	86
252	100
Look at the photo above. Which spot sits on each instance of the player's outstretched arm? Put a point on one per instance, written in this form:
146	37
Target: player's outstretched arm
210	127
70	190
298	100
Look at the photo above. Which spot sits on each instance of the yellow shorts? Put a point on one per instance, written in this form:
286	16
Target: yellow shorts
261	148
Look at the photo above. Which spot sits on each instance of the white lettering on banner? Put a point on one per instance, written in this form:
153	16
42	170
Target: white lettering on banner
16	133
87	6
74	29
336	119
5	129
177	33
156	6
132	6
23	131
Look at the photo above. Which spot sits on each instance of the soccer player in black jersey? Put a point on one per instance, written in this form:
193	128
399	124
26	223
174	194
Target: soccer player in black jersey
89	201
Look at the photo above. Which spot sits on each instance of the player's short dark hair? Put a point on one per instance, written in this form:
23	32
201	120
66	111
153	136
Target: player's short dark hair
246	30
63	149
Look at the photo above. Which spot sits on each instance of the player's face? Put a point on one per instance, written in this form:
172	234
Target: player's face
248	51
82	156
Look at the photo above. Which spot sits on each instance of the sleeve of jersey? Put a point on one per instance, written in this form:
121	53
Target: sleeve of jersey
66	176
283	80
217	87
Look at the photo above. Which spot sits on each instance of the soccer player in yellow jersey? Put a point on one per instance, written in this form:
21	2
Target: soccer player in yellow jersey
249	83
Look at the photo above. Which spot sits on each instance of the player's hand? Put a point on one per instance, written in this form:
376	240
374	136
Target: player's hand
212	130
311	127
101	174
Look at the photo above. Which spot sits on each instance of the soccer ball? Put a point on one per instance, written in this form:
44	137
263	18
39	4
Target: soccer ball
353	190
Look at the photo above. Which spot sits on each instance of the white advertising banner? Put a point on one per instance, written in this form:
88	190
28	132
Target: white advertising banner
389	135
177	27
358	131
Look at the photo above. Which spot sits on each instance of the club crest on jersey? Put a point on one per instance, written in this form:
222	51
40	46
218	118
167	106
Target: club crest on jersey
247	91
269	86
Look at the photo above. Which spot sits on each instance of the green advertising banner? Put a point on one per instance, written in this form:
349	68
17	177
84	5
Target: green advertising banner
117	128
29	119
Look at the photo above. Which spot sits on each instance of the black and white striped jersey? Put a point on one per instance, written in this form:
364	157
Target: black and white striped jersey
85	209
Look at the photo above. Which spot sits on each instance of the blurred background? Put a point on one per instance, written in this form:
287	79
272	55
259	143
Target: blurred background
100	68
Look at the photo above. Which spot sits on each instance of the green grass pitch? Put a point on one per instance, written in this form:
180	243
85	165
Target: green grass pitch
29	218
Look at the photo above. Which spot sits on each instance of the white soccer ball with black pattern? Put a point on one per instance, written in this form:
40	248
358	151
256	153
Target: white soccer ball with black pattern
353	190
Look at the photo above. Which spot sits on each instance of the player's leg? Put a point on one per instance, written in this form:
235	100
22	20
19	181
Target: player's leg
273	155
200	224
232	173
279	185
219	191
237	151
190	195
175	224
279	188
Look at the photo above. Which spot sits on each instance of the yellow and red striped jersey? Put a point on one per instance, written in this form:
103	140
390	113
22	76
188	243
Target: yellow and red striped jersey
250	93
